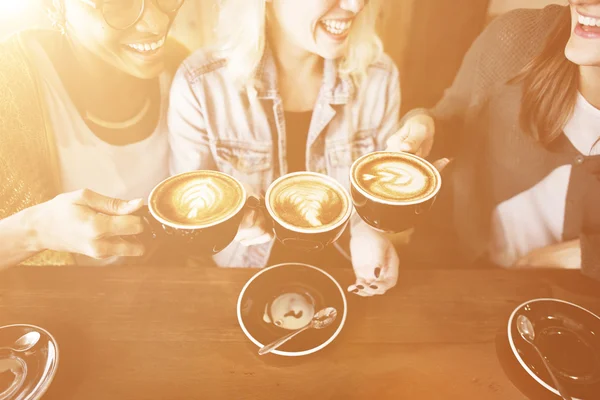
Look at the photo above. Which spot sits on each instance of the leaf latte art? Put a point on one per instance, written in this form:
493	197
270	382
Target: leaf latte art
308	202
198	198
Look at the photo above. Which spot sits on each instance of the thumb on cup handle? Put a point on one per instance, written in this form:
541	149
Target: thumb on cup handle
151	230
441	164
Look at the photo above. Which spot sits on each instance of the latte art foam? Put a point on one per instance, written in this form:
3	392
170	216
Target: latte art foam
308	202
395	177
197	198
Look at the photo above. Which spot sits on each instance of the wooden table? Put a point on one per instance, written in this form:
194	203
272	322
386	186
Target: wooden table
171	333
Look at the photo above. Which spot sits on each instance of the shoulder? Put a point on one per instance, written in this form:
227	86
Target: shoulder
202	62
383	71
16	71
384	64
521	30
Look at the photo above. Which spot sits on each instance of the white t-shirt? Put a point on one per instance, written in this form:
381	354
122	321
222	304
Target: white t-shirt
87	162
535	218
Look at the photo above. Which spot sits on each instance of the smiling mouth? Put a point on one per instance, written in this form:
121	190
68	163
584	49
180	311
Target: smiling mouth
337	27
147	48
590	22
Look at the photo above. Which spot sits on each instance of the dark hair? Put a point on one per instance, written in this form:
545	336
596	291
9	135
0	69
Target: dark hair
550	83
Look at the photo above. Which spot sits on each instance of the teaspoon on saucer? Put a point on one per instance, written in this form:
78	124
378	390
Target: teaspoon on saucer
24	343
527	332
322	319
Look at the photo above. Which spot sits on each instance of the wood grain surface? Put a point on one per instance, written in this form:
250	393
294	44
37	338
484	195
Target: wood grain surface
171	333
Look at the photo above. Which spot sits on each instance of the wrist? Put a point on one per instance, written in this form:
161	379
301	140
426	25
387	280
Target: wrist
360	227
29	229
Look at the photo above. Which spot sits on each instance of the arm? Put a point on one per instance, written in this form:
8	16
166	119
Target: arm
18	238
565	255
388	125
374	258
590	254
495	57
188	135
82	222
582	253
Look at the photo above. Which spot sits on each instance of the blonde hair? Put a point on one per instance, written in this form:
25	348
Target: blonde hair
242	37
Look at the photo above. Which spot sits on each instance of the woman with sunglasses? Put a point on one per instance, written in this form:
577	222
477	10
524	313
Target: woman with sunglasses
295	85
84	136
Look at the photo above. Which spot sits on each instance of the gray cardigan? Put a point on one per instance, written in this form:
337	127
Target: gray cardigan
477	122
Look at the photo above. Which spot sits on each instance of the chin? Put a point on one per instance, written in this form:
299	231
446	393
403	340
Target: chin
581	56
332	53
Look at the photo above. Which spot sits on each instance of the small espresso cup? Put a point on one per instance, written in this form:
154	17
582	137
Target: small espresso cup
197	213
309	211
392	190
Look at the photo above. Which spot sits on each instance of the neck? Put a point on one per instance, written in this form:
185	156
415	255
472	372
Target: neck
101	80
589	85
291	60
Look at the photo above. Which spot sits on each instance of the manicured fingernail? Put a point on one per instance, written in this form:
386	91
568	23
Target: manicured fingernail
134	202
355	291
361	287
377	272
373	287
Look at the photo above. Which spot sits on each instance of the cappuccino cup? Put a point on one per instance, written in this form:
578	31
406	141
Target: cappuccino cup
196	212
309	211
392	190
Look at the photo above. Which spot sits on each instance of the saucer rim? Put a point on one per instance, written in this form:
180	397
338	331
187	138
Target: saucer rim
292	353
56	364
514	349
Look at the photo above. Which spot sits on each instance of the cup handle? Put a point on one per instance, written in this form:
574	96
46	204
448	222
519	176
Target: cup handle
420	209
19	369
152	236
150	232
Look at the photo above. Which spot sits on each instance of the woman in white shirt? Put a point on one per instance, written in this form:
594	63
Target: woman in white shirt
83	127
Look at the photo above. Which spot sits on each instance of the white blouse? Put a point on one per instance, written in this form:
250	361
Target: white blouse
535	218
86	162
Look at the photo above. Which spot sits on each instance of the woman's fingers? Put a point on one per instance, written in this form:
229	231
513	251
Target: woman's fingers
253	229
441	164
121	225
416	136
262	239
115	246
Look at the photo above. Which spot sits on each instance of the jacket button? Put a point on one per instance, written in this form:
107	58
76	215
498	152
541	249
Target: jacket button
579	159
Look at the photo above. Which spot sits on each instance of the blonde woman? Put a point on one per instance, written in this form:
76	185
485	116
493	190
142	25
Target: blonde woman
292	86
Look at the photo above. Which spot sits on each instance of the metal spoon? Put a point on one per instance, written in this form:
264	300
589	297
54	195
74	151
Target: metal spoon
25	342
525	328
322	319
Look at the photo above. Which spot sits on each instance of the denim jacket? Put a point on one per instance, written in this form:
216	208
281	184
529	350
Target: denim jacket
215	125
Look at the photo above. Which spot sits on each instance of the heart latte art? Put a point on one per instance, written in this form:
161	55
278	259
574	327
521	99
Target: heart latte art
197	198
395	177
308	201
